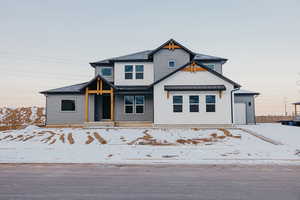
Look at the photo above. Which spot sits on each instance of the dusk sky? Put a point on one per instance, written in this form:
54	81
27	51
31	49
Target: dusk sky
49	44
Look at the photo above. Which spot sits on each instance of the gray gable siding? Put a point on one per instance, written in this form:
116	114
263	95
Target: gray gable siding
98	71
161	58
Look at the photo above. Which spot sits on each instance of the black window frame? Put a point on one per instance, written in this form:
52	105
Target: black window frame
72	107
139	75
177	106
135	106
105	68
128	74
210	105
172	61
194	106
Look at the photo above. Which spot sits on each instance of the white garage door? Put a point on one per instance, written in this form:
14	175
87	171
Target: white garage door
240	113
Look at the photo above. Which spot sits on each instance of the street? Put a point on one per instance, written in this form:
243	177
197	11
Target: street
105	182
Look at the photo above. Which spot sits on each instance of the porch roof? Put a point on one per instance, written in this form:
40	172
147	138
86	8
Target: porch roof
297	103
195	87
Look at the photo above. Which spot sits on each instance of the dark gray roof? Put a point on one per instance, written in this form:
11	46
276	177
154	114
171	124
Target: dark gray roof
236	85
203	57
195	87
134	90
245	92
67	89
297	103
146	56
133	87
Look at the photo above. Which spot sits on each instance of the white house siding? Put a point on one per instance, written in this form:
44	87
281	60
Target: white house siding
119	74
163	106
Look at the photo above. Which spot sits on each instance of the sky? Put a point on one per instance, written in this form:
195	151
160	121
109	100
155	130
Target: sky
48	44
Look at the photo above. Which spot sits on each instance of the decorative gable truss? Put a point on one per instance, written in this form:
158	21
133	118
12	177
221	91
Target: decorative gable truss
193	67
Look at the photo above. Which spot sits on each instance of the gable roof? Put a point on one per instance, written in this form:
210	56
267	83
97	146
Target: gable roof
147	56
77	88
236	85
175	43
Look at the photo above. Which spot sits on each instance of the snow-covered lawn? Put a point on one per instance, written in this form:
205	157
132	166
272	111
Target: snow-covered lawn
149	145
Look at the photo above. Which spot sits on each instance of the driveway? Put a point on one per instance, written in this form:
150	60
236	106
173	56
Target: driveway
90	181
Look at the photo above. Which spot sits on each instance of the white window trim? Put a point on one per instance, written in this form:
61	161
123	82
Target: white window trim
171	60
143	72
139	104
182	96
132	72
211	103
67	111
198	104
134	105
107	68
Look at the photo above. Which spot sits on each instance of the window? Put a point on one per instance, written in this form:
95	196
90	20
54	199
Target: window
210	103
139	104
194	103
172	63
139	72
177	103
106	71
67	105
134	104
129	102
210	66
128	72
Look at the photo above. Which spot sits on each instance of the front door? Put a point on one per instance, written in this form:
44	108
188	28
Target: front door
106	107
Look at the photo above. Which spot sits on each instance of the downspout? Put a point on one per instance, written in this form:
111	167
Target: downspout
46	110
232	91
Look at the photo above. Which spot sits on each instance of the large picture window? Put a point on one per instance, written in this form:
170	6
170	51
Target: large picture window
139	72
134	104
194	103
210	103
128	71
129	103
177	103
67	105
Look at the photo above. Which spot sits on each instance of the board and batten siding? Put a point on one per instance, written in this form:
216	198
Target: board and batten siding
120	114
119	74
163	106
249	101
161	61
54	115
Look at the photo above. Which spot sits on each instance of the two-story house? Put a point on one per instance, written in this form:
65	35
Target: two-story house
170	85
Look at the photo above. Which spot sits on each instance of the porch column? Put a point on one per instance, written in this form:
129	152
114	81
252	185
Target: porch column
295	110
87	104
111	104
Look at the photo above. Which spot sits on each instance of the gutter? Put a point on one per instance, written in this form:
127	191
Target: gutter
232	91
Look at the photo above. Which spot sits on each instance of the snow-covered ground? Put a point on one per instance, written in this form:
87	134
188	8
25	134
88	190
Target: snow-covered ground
150	146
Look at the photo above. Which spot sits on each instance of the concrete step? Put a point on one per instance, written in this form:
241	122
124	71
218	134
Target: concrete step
99	124
133	124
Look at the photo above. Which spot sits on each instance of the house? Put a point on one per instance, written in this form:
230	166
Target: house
170	85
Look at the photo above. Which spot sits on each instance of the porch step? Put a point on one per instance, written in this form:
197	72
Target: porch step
99	124
134	124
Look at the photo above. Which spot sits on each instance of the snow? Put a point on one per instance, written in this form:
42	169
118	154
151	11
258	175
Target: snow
150	146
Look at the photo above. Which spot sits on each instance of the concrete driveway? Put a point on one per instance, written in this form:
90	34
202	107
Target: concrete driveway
89	181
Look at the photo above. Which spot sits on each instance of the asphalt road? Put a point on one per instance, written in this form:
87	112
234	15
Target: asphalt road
85	182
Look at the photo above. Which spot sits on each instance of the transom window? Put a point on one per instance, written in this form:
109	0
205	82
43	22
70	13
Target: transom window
194	103
106	71
210	101
134	104
67	105
171	63
128	71
177	103
139	72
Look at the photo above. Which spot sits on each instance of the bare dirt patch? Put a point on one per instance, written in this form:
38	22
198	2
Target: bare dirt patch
100	139
147	139
89	140
70	138
62	138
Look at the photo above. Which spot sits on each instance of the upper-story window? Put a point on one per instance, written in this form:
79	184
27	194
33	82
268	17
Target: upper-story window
128	71
171	63
139	72
106	71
